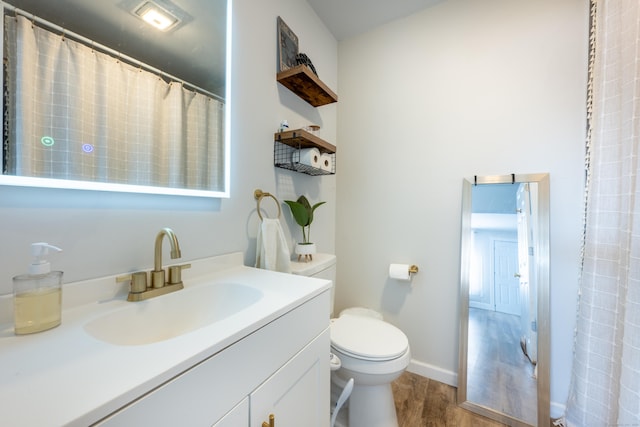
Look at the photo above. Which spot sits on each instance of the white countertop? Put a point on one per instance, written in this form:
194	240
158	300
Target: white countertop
65	376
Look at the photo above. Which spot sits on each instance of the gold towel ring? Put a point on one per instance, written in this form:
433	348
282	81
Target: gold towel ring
259	194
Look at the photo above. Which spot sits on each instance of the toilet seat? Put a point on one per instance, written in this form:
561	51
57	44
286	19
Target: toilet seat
362	311
367	338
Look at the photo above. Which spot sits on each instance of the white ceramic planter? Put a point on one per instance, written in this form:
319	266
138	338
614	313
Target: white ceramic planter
305	251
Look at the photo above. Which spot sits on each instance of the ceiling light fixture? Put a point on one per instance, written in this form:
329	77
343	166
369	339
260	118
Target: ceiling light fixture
157	16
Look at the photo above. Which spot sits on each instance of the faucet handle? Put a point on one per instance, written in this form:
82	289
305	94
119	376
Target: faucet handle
138	281
175	273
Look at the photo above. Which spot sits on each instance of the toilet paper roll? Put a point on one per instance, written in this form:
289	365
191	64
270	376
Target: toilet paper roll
399	272
310	157
326	162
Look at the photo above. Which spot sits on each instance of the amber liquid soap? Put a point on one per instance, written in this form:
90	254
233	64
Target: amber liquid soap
37	302
38	310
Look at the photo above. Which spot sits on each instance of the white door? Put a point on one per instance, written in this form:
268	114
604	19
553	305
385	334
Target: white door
528	288
506	283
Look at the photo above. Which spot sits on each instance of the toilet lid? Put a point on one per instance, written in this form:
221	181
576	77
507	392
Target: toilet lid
367	338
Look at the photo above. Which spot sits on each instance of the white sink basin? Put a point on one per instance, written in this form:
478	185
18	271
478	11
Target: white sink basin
172	315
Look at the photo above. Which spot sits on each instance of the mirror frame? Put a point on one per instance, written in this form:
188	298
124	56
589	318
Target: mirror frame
542	268
225	192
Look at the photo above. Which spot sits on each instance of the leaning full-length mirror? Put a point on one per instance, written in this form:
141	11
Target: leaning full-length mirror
117	95
504	283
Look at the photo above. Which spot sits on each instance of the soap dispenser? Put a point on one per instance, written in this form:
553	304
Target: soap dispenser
37	295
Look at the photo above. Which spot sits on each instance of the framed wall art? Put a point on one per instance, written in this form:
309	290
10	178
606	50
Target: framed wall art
287	46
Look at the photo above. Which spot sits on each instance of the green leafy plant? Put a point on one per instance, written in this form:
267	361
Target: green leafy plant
302	212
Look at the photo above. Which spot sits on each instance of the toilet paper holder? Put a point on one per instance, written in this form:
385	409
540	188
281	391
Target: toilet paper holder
402	272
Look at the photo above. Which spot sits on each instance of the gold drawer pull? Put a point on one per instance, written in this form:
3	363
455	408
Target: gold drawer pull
271	423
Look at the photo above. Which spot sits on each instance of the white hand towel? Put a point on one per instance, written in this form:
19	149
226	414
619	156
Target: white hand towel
272	252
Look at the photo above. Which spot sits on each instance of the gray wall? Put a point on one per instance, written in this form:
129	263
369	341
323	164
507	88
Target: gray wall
463	88
108	233
460	89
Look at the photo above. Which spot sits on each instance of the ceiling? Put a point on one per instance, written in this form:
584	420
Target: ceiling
494	198
348	18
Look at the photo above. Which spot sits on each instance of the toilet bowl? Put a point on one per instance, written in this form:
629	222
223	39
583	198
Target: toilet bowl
370	350
373	353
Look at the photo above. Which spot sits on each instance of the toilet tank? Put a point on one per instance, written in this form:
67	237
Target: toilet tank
323	266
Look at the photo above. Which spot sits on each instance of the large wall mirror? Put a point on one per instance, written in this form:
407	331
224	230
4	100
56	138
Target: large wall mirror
504	325
97	98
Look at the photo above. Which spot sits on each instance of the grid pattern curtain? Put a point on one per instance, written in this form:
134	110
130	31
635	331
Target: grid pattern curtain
79	114
605	389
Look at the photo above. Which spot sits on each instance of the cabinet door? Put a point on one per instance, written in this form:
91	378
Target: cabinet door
298	393
237	417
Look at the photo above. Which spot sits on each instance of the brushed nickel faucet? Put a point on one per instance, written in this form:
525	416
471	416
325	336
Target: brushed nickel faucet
157	275
139	290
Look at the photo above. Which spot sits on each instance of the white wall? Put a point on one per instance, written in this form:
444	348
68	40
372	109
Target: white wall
109	233
460	89
464	88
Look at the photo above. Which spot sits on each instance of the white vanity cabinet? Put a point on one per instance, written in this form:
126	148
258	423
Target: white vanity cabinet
281	368
238	416
298	394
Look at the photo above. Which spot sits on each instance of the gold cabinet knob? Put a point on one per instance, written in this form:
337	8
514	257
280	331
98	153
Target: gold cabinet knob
271	423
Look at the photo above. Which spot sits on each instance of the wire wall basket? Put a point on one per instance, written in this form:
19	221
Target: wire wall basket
288	157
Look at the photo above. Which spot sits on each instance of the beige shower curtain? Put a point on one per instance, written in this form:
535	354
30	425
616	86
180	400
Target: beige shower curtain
605	388
79	114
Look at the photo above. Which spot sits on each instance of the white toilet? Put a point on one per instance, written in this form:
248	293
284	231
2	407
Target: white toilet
371	351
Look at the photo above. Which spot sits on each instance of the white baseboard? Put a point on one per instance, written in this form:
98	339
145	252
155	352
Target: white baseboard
557	409
433	372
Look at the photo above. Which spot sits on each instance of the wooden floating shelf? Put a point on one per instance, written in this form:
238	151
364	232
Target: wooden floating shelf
299	138
304	83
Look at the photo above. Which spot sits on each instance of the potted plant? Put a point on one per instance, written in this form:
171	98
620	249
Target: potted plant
302	212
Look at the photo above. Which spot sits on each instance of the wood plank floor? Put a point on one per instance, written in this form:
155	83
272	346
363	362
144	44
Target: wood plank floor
422	402
495	357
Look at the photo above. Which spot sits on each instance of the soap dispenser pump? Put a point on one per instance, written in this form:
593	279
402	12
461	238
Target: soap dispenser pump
37	295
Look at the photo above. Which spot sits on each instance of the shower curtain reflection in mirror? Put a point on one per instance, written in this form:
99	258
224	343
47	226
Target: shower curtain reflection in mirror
499	375
78	114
